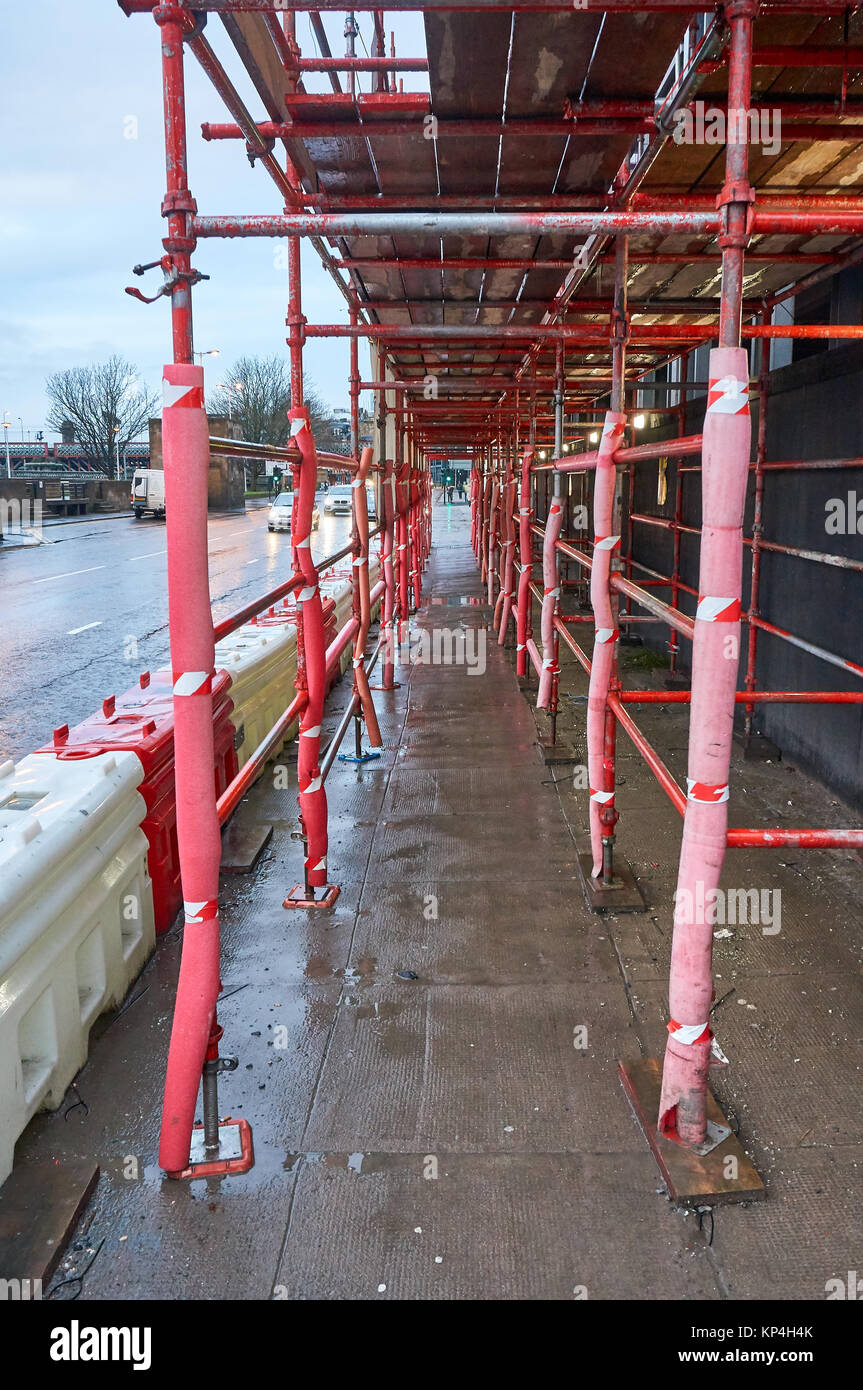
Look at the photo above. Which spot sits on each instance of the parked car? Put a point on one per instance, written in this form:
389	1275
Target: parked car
148	492
280	513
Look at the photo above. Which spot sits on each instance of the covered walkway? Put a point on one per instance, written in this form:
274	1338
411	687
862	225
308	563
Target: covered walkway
463	1134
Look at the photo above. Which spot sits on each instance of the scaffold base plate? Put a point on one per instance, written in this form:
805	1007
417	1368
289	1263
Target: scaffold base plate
330	893
236	1153
623	896
725	1174
559	753
41	1207
242	846
759	749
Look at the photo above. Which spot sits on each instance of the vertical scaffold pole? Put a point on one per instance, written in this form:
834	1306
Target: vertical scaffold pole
716	644
549	675
311	641
757	525
388	505
195	1033
601	724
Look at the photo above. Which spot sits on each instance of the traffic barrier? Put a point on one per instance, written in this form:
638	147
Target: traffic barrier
141	721
338	587
76	919
337	583
286	615
261	660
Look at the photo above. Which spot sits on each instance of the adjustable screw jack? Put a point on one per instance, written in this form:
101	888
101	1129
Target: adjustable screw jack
330	891
218	1148
360	755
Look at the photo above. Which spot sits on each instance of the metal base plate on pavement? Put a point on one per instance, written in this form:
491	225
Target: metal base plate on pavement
242	846
40	1207
331	892
556	754
692	1178
358	757
759	749
623	896
236	1154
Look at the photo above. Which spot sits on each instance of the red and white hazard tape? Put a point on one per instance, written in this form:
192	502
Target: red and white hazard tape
192	682
689	1033
705	793
717	610
196	913
182	397
728	396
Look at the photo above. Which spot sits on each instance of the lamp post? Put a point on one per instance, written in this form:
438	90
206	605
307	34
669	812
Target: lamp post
211	352
6	426
117	449
232	388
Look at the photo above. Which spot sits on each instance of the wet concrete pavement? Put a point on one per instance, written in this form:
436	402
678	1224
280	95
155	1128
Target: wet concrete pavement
86	612
448	1136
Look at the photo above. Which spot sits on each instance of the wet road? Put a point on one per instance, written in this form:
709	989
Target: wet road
86	613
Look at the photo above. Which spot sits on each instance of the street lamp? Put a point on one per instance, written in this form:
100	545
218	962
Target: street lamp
6	426
117	449
211	352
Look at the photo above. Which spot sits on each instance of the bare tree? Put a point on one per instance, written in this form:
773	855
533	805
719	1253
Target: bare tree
256	394
105	404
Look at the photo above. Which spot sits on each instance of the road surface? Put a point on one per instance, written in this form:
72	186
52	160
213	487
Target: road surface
84	614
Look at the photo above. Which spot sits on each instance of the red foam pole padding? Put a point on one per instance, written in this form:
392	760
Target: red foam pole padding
361	579
715	651
524	553
186	452
605	638
312	796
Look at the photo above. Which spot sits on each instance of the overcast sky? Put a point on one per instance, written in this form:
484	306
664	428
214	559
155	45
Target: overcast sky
79	205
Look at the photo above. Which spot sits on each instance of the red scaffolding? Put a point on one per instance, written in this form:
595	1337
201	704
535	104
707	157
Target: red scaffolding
485	245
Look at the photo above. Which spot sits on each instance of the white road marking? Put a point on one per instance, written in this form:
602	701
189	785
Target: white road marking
149	555
73	632
69	574
255	562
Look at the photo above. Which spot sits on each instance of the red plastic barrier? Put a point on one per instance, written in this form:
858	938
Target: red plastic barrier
141	721
287	613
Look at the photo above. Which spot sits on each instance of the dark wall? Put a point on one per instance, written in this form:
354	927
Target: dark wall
813	412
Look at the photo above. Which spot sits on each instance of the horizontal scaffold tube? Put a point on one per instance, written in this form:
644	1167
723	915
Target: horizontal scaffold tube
765	222
347	224
680	7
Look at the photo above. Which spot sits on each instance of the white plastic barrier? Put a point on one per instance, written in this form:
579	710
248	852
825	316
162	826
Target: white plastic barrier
261	659
76	920
262	663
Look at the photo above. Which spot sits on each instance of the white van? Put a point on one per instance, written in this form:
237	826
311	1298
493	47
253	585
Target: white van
148	492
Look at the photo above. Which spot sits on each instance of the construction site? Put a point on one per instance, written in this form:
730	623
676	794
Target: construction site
474	913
